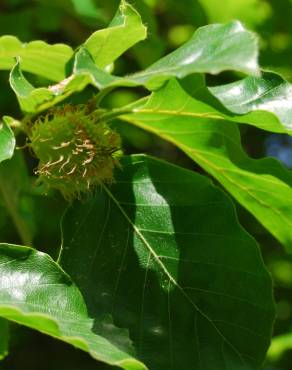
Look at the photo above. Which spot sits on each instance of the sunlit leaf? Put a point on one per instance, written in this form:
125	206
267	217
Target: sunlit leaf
268	93
35	292
7	140
212	49
50	61
37	57
212	140
85	72
29	98
203	53
125	30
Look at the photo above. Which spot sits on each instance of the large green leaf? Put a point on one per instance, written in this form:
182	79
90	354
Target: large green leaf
35	292
4	338
263	102
125	30
213	141
37	57
161	250
203	53
270	92
212	49
7	140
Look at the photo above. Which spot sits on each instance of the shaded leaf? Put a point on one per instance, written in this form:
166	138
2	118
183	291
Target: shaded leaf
194	294
14	181
212	140
35	292
12	176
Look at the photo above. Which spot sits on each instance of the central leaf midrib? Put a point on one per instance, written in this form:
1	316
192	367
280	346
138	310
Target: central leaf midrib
168	275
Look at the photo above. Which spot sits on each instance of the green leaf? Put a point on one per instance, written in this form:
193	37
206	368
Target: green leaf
7	139
85	72
212	140
37	57
203	53
35	292
270	92
194	294
212	49
4	338
125	30
30	99
262	114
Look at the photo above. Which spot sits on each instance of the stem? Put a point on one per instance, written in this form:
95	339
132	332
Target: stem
112	114
102	94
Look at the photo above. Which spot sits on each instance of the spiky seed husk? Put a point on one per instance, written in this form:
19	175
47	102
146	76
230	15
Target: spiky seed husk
76	150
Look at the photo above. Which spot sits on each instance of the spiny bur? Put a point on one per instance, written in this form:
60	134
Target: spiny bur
76	150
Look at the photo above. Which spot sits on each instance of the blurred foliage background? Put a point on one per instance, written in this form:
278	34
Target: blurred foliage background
170	23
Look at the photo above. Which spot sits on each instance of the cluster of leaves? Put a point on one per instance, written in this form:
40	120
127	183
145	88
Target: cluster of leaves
154	270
